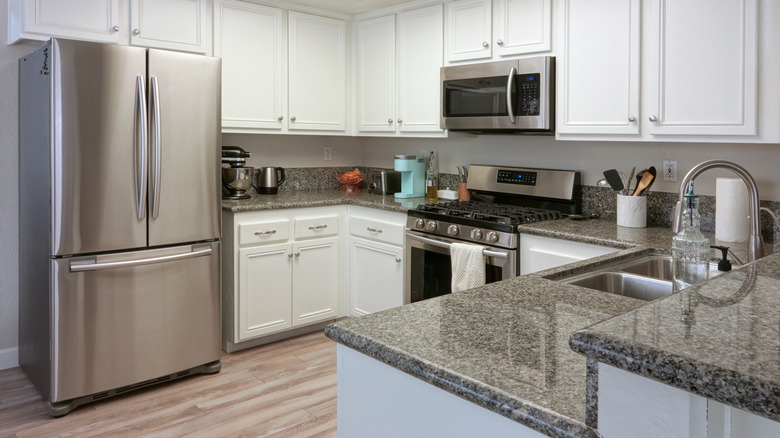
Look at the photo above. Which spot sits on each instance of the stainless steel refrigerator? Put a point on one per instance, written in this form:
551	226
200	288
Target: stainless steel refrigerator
119	219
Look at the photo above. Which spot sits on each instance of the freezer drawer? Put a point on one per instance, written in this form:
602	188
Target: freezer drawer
124	318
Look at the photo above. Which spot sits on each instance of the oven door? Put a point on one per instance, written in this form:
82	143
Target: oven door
428	266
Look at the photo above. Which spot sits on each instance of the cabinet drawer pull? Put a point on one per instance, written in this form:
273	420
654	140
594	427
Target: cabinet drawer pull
263	233
318	227
373	230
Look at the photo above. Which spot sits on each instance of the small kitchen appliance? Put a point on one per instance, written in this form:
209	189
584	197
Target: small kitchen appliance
237	178
502	198
412	176
269	179
515	96
384	182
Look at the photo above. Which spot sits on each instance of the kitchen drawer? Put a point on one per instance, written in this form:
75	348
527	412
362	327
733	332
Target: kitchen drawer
263	232
316	227
377	230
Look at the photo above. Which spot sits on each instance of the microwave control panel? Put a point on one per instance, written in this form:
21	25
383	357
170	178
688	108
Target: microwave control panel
520	177
528	87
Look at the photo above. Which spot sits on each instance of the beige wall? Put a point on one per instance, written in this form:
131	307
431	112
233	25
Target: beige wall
9	242
296	150
592	158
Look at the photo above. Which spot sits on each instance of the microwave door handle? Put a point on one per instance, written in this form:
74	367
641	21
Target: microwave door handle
509	83
440	244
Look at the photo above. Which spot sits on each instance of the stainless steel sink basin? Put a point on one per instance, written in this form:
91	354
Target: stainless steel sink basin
646	278
621	283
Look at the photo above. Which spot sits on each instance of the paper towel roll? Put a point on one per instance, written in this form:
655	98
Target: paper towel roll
731	210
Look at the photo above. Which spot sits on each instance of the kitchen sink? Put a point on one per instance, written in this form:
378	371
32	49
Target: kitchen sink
646	278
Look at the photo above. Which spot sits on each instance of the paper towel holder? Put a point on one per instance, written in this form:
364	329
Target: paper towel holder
755	242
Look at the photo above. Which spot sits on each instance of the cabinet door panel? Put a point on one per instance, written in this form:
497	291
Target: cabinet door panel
468	30
248	38
170	24
376	277
598	67
317	70
420	56
704	80
91	20
265	287
376	74
315	281
523	26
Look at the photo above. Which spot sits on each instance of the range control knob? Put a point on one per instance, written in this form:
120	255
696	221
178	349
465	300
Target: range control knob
453	230
492	237
431	226
476	234
419	223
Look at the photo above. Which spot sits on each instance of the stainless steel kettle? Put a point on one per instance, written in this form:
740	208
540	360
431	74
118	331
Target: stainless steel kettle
269	179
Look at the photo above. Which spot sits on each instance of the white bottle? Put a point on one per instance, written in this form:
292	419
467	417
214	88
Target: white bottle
690	249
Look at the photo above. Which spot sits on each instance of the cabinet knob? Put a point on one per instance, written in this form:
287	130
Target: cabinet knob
485	44
400	121
390	121
136	31
653	119
398	259
297	253
289	255
280	118
631	119
115	28
500	42
292	119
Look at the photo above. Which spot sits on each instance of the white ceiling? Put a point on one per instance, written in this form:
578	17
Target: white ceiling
351	7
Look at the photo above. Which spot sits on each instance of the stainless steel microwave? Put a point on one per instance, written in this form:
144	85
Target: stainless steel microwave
515	96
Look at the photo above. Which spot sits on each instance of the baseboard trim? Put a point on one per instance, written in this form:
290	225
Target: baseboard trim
9	358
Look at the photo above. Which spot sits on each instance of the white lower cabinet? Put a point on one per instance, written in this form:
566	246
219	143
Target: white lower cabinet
540	253
376	278
282	270
376	265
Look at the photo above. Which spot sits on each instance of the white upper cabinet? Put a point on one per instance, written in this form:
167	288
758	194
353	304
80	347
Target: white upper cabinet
469	30
598	67
375	58
166	24
420	57
93	20
170	24
698	62
249	39
522	26
704	58
317	73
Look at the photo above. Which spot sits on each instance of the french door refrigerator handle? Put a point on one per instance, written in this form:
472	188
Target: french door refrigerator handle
91	265
140	141
509	82
434	242
154	117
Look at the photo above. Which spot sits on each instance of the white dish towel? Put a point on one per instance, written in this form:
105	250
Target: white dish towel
468	266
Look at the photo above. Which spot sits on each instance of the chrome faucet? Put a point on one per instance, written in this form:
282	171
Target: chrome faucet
755	242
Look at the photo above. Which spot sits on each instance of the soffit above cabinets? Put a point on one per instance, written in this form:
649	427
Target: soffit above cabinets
351	7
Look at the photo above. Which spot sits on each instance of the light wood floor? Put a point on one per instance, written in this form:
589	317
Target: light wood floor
284	389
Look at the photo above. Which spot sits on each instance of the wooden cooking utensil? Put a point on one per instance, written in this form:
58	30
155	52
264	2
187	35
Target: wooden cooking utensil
644	183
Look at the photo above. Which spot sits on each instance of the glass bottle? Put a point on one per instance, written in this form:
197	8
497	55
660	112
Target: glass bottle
431	180
690	249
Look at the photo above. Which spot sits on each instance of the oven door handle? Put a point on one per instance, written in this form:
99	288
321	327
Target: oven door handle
434	242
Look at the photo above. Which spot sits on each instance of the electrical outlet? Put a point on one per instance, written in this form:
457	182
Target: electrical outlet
328	152
670	170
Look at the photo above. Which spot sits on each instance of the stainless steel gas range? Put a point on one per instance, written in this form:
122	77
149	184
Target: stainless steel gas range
502	198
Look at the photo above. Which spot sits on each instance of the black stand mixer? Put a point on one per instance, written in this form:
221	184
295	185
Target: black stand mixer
237	178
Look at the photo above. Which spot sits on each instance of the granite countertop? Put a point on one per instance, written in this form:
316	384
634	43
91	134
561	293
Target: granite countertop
720	340
503	346
320	198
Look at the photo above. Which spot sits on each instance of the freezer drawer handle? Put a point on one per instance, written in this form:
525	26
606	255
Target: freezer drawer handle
91	266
